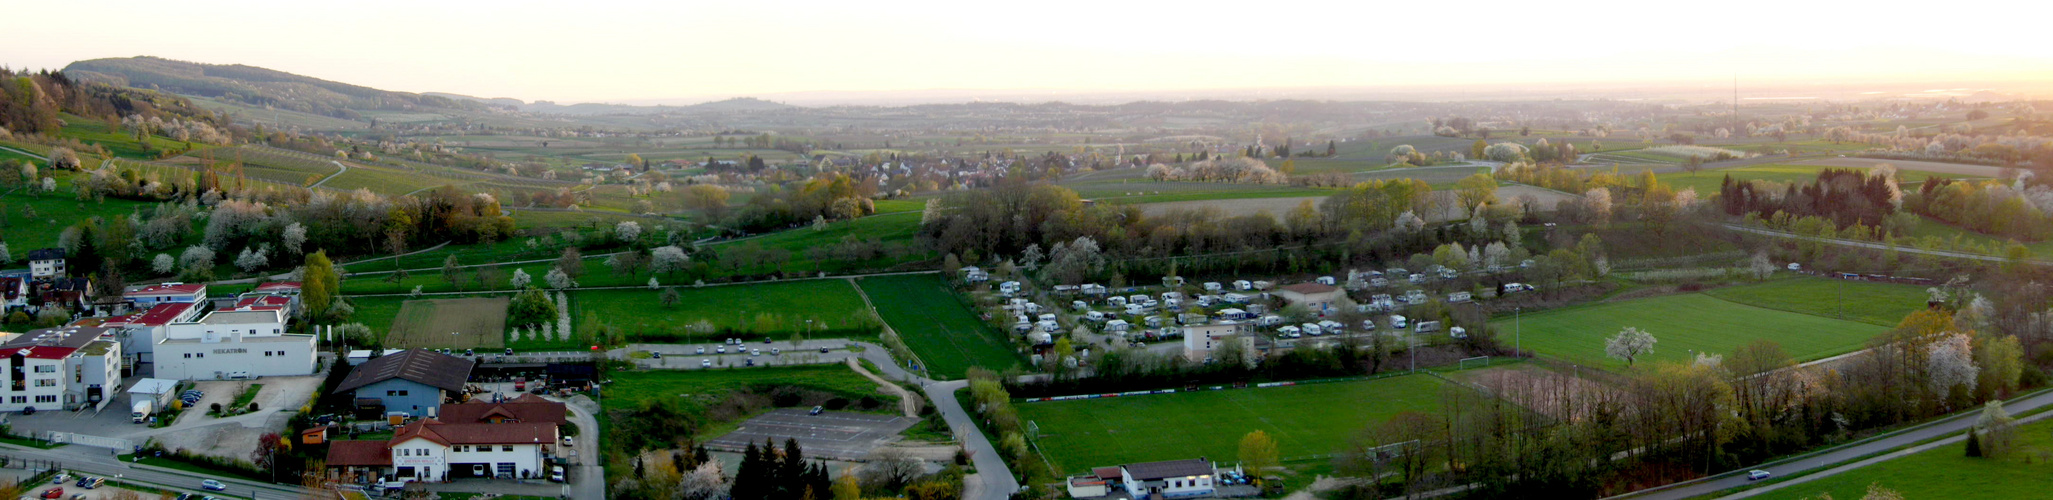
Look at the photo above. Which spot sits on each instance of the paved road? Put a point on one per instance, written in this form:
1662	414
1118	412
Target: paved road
101	462
1950	441
1825	458
1875	245
324	180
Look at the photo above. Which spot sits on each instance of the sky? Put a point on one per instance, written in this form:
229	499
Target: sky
641	51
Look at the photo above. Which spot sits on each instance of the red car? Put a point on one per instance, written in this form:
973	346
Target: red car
54	493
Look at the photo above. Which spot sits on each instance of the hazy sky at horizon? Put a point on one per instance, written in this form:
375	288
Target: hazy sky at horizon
619	51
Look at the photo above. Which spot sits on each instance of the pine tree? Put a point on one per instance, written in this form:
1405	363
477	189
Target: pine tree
748	479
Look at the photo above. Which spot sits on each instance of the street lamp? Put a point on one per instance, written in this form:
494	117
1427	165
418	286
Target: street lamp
1517	331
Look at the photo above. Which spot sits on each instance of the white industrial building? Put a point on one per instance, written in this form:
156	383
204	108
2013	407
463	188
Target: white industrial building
60	368
233	344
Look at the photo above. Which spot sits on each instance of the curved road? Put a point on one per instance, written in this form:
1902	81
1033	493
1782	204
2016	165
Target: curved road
1951	426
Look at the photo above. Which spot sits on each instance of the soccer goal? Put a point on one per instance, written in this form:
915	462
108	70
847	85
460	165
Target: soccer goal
1475	362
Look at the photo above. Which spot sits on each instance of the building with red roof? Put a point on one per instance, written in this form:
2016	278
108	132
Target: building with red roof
431	450
60	368
140	332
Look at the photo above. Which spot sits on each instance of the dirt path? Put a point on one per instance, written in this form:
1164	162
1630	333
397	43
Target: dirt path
905	399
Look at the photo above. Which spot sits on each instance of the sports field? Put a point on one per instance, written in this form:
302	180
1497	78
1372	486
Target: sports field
772	309
947	336
1683	325
1305	420
1946	472
454	323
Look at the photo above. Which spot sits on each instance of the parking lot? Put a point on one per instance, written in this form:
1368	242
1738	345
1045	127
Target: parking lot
830	434
779	353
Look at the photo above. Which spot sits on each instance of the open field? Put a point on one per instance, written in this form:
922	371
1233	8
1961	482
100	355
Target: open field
52	212
629	388
453	323
1684	325
1085	433
776	309
1946	472
1954	169
1276	207
927	315
1868	302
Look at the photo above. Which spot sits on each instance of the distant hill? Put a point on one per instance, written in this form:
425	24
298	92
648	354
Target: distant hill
255	86
735	105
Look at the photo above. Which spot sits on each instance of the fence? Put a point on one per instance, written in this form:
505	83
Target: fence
89	440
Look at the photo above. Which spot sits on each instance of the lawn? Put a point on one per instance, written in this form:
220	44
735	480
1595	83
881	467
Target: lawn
1683	325
936	326
1868	302
454	323
1946	472
52	212
1080	434
629	388
770	309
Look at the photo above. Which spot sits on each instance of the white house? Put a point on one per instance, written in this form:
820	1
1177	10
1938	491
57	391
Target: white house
1175	478
60	368
430	451
46	263
1200	340
233	344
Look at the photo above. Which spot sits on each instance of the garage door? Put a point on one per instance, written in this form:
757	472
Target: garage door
506	469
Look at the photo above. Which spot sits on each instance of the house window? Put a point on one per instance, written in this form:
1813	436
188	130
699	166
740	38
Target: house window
46	382
18	399
505	447
200	355
188	355
46	369
46	399
275	330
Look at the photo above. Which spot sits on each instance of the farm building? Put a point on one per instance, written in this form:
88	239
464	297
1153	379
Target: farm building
61	368
145	297
411	382
1314	296
233	345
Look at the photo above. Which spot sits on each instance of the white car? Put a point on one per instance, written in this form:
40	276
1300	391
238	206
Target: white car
721	349
556	473
1757	474
702	349
705	363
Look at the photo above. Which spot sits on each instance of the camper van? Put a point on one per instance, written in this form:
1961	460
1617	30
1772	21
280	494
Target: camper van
1289	332
1310	329
1397	322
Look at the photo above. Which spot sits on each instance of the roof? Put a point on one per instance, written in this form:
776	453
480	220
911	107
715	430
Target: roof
161	314
525	409
359	454
46	254
242	317
1308	288
178	289
418	365
453	434
153	386
1173	468
278	286
1105	472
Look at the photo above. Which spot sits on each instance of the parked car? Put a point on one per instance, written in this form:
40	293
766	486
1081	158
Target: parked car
705	363
57	492
823	350
655	355
750	362
556	473
755	352
817	410
568	441
776	351
96	482
702	349
82	480
1757	474
720	350
61	478
212	485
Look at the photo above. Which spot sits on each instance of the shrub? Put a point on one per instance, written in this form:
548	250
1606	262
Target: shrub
836	403
868	402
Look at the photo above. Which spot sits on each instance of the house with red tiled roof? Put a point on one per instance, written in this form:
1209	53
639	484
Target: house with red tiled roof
430	450
14	293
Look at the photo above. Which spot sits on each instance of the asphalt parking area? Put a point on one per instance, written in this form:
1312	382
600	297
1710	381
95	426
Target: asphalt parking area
830	434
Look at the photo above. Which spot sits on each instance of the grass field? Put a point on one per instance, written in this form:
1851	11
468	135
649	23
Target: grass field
453	323
53	211
947	336
1946	472
772	309
629	388
1684	325
1079	434
1868	302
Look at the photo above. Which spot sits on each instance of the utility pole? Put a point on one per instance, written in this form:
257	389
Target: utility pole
1517	331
